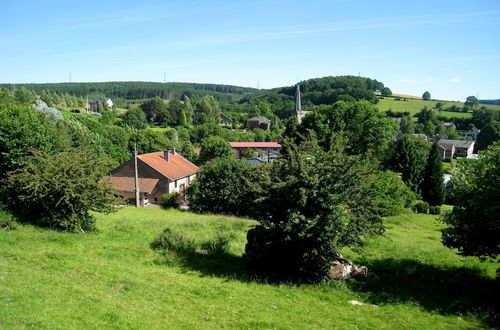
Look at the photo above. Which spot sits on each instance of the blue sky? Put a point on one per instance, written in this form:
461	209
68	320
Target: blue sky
450	48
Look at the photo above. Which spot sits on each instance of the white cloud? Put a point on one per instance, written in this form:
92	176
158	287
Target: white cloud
456	79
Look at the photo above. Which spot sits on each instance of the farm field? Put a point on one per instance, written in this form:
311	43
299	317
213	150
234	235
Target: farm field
415	105
111	278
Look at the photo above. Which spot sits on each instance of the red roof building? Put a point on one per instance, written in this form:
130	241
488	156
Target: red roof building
159	173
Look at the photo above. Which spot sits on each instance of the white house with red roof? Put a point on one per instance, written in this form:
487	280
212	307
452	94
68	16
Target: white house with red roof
159	173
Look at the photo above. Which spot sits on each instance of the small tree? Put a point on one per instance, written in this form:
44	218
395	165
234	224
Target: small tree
386	91
59	191
135	118
426	96
474	226
214	147
316	205
471	102
406	126
432	186
488	135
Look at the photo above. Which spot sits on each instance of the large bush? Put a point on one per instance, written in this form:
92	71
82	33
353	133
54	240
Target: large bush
228	186
474	226
59	191
319	202
393	195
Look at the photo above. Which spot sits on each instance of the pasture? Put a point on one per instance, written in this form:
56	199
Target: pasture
112	279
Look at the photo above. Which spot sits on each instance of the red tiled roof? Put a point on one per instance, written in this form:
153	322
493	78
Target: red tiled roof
255	144
123	183
177	167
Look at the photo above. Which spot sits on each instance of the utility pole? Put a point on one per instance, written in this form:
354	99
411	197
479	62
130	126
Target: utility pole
136	188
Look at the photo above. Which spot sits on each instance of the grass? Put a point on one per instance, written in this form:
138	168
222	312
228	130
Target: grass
415	105
112	279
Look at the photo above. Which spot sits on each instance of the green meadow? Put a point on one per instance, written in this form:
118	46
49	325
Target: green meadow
112	279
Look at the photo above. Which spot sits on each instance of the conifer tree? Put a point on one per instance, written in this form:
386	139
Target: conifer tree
432	185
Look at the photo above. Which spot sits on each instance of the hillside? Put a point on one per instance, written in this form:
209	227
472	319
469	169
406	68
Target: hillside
112	278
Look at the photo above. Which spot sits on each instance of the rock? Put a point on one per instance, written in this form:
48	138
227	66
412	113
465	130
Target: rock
355	302
341	269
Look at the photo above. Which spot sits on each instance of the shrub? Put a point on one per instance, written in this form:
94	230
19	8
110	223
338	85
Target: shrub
218	246
421	207
7	221
435	210
59	191
171	241
393	195
172	200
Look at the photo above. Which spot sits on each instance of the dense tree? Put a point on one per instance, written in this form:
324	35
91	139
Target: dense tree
214	147
406	126
155	109
482	117
174	107
182	119
474	228
488	135
228	186
59	191
315	205
134	118
207	111
21	130
386	91
426	96
149	141
471	102
189	110
393	196
366	128
409	157
432	186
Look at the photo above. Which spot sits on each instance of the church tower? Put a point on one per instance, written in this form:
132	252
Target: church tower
299	113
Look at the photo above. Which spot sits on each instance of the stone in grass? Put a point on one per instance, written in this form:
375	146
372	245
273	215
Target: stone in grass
341	269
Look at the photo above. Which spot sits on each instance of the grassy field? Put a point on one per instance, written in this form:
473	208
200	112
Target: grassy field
112	279
415	105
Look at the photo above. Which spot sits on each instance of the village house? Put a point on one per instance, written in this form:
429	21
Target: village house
456	148
96	102
268	151
159	173
473	134
225	120
259	122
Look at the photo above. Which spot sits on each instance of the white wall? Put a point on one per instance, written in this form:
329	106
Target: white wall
185	181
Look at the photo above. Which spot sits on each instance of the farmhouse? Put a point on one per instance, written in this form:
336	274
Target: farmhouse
159	173
259	122
97	101
225	120
455	148
473	134
268	151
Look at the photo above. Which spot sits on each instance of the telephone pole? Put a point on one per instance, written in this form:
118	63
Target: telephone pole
136	188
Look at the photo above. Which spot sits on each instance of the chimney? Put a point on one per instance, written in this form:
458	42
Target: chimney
166	155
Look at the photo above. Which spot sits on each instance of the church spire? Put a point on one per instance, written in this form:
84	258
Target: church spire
298	106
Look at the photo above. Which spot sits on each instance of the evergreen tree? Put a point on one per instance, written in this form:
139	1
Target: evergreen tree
188	109
432	186
409	160
182	120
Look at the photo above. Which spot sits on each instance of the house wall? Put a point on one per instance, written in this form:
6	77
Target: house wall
186	181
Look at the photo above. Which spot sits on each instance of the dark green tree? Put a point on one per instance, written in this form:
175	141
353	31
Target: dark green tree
214	147
426	96
207	111
432	186
474	227
149	141
488	135
408	157
228	186
155	110
182	119
59	191
406	126
386	91
366	128
134	118
315	205
471	102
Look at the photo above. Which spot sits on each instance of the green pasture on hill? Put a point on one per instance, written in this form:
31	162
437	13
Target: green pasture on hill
414	105
112	279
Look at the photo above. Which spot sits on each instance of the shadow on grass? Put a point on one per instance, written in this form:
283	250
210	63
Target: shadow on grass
451	290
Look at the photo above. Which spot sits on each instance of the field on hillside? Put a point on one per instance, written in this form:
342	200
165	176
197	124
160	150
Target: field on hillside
111	278
414	105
